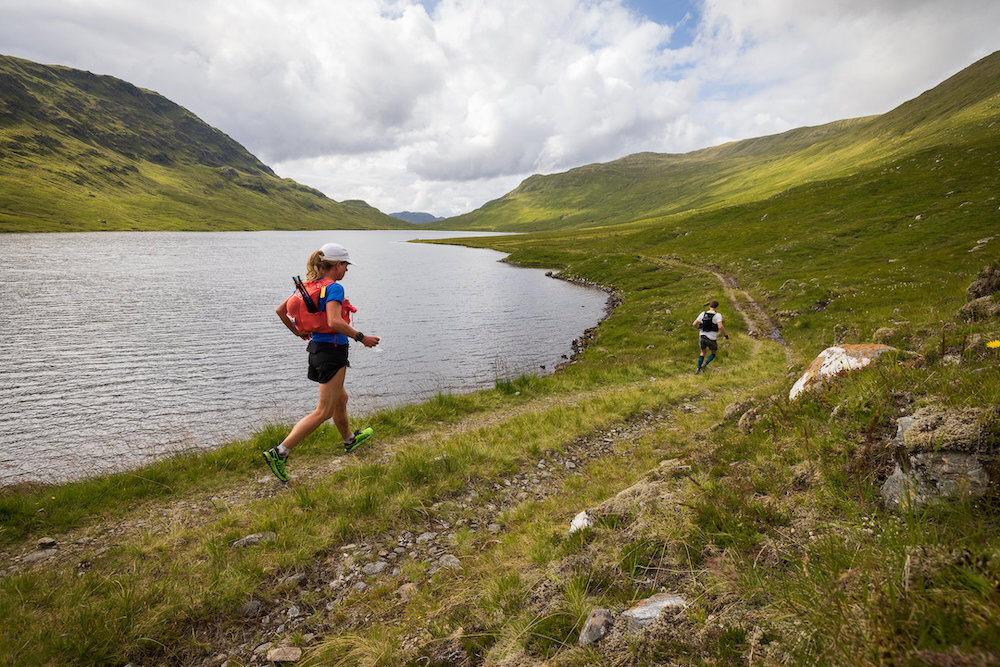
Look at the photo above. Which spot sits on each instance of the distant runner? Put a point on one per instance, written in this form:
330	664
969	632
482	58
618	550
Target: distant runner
709	325
317	310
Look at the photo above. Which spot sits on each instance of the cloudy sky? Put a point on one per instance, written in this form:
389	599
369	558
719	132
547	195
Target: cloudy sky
442	105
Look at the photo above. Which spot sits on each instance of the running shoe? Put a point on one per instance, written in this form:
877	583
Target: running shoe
276	462
360	437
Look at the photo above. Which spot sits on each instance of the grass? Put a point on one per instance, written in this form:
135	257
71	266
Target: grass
770	525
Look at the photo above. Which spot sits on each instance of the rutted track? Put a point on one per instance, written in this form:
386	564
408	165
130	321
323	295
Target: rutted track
759	323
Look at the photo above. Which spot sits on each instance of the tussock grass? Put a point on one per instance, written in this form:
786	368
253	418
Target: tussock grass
772	528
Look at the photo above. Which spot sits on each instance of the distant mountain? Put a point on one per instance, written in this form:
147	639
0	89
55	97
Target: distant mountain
416	218
83	152
648	186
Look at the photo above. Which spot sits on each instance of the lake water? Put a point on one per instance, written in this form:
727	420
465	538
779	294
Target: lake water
119	347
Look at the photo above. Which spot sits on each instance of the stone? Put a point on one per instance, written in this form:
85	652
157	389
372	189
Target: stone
372	569
983	308
450	561
646	611
933	429
426	537
294	612
985	285
581	521
747	421
255	539
294	579
284	654
735	410
249	609
46	543
40	554
597	626
834	361
932	477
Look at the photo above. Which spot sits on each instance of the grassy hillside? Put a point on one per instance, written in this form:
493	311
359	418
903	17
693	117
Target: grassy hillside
80	152
648	185
763	513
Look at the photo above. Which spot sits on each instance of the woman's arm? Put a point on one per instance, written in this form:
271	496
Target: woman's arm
336	322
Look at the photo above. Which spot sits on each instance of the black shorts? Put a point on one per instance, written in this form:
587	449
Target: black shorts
325	359
713	345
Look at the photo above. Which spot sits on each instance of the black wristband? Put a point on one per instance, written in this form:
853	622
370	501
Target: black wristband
359	337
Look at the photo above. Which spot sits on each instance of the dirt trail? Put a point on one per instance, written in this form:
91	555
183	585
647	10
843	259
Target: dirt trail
203	507
759	323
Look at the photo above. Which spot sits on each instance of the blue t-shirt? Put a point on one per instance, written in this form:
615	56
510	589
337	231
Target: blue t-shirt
333	293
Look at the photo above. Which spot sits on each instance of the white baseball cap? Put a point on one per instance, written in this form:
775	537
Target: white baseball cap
334	252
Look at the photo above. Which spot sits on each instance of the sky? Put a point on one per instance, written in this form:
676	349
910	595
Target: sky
442	105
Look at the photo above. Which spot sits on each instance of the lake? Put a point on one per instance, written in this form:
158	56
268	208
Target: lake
119	347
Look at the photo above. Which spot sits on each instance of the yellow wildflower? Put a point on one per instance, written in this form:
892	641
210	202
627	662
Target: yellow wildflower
993	344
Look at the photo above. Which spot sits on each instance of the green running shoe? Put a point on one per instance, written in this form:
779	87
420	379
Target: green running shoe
360	437
276	463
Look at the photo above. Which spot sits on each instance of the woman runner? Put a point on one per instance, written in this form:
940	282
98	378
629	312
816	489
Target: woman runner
330	332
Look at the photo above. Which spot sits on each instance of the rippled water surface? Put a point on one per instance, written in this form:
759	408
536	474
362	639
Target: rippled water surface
115	347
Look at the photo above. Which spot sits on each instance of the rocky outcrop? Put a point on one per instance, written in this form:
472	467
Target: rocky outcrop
942	453
986	283
835	361
983	308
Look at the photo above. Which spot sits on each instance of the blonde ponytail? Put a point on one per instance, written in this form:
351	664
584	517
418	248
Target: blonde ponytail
317	266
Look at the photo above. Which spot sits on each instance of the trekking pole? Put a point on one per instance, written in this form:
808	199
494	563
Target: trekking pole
306	299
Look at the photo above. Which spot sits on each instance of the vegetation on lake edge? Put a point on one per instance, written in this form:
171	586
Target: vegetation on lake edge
773	530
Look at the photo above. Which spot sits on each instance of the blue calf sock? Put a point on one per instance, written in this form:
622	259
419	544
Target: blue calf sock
710	357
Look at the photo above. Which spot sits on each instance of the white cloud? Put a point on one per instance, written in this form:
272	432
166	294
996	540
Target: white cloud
379	100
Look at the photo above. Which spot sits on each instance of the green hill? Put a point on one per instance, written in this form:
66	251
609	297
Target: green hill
81	152
650	185
445	540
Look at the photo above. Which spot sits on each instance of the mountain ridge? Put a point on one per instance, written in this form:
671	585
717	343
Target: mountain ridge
81	151
651	185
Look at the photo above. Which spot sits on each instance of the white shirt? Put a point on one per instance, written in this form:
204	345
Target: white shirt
711	335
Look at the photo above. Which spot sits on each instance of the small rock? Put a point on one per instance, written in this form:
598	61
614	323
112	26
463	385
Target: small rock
255	539
36	556
372	569
648	610
249	609
597	626
284	654
581	521
493	528
450	561
46	543
294	612
426	537
295	578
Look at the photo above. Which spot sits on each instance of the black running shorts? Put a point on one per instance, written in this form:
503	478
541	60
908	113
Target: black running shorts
325	359
713	345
